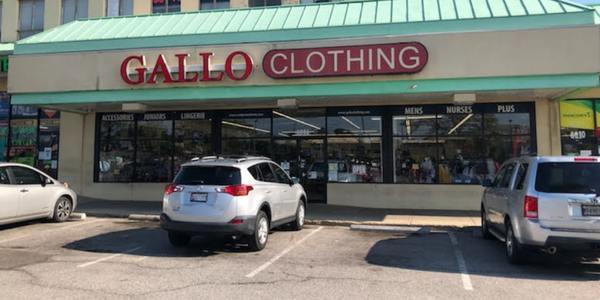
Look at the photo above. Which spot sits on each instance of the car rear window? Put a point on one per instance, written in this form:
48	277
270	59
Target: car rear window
208	175
567	177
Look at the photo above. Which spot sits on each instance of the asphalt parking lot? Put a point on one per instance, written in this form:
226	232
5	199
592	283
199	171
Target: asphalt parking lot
118	258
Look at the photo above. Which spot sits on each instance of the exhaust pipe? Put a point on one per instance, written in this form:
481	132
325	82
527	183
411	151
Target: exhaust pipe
550	250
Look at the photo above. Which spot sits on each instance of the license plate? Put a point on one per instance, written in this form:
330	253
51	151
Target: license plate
590	210
199	197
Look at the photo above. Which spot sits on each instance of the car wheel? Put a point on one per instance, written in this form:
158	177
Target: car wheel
298	223
62	209
179	239
485	229
259	239
514	249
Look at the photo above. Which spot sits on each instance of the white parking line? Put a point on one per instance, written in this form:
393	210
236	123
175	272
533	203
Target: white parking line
78	223
87	264
280	255
462	265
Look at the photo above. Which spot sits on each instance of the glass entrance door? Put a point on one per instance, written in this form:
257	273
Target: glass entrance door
304	158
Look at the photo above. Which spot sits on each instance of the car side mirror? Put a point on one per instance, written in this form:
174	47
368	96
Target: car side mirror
44	182
486	183
295	180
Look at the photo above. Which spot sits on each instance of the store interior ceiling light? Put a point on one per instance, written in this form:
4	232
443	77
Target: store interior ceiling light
351	123
244	126
461	123
296	120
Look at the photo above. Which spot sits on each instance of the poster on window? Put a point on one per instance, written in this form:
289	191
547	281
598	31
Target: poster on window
23	134
577	127
4	115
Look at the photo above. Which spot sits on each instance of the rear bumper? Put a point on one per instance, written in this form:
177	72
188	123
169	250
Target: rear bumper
245	228
532	233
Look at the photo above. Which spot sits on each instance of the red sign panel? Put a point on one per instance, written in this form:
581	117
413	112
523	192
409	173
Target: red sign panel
398	58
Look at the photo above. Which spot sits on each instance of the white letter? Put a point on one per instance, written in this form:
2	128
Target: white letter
294	71
414	58
309	67
335	58
350	60
273	64
389	60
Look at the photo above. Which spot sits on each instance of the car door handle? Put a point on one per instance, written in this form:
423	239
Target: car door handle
268	192
24	190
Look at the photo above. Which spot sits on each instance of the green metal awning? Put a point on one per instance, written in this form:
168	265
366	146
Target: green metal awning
306	22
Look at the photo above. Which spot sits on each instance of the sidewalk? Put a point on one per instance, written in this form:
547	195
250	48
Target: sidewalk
320	214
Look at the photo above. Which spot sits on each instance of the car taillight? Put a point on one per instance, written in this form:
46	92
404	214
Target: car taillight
172	188
237	190
530	210
586	159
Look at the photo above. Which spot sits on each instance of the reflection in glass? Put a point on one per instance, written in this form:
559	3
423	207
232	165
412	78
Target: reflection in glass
414	125
153	161
354	125
507	124
115	161
255	146
192	139
246	128
460	160
354	159
299	123
460	124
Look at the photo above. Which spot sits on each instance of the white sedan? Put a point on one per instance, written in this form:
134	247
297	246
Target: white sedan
27	193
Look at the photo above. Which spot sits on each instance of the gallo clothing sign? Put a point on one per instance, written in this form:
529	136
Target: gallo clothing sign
377	59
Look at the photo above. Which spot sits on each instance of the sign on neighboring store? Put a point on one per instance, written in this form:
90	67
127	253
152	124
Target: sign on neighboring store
576	114
378	59
3	64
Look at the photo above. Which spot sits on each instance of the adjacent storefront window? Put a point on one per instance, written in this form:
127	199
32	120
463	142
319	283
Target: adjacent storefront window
23	134
31	17
119	8
452	144
579	127
255	3
165	6
214	4
4	117
354	146
49	130
73	10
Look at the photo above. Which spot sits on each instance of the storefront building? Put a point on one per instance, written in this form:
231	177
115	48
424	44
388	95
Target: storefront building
393	104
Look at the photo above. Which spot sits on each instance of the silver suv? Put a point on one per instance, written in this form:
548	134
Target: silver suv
238	196
547	203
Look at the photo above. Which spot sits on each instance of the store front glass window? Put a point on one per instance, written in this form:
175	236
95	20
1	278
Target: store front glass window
354	147
23	134
49	131
116	152
4	116
303	123
415	146
192	137
578	133
246	134
154	148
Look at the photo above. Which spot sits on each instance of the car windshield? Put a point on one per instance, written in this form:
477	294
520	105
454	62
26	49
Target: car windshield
208	175
567	177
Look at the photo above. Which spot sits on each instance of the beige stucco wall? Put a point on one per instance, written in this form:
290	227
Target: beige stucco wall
411	196
459	55
96	8
71	149
10	21
142	7
190	5
52	13
238	3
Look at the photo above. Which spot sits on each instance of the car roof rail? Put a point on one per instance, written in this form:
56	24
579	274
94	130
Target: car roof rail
236	158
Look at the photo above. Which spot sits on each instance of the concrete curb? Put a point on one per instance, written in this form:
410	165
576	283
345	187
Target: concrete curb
153	218
395	229
77	216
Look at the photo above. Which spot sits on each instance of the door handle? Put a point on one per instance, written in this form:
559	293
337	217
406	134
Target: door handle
24	190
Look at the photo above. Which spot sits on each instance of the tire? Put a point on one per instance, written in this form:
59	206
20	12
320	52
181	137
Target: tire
259	239
485	229
298	223
179	239
514	250
62	209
